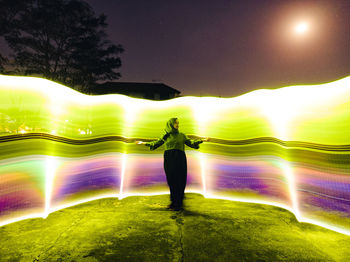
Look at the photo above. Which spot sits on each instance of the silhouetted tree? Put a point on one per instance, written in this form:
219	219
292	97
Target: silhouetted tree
61	40
3	62
9	9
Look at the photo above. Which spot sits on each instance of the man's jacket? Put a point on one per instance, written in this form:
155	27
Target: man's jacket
174	141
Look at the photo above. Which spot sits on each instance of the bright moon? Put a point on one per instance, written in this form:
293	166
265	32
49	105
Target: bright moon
301	28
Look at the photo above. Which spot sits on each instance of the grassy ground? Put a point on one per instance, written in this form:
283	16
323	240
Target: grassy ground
140	228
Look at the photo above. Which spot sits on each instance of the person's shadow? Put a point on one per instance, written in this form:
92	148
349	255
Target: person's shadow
186	211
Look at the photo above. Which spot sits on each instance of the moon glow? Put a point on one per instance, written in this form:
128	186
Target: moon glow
301	28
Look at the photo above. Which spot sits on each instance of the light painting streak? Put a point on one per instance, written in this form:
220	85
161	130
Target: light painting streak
202	161
50	167
287	147
292	189
124	159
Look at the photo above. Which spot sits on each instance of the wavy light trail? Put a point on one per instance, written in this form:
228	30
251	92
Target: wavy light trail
287	147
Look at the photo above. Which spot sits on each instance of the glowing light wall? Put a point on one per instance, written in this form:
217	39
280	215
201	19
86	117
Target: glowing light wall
288	147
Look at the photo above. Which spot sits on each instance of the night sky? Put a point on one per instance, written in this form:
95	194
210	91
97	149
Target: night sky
227	48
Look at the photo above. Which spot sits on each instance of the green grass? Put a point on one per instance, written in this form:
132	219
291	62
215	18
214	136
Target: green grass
140	228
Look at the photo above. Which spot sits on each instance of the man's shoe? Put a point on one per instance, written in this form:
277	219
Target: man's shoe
176	208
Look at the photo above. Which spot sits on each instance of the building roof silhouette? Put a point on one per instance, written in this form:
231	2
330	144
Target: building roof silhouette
158	91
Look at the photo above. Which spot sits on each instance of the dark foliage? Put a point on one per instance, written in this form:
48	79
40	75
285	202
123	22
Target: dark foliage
61	40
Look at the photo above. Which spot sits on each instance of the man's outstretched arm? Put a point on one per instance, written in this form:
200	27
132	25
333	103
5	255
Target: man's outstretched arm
194	143
155	144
